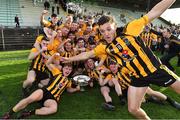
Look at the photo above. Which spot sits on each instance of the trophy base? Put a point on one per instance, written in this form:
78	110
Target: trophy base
82	89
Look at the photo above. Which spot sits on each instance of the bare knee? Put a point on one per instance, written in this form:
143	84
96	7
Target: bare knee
104	90
51	105
53	109
28	82
133	110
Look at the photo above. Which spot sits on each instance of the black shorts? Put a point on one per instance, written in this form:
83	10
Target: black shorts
41	75
125	92
46	95
161	77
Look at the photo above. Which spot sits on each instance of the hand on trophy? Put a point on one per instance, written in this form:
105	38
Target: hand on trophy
78	88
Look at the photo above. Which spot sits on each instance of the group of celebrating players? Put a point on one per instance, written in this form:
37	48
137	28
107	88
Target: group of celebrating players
110	56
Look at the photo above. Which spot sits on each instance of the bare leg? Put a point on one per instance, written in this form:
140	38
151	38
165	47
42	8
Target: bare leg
50	107
175	86
105	92
30	79
117	87
43	83
35	96
135	97
157	94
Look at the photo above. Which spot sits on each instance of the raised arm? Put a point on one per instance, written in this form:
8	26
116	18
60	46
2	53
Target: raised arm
159	8
82	56
45	12
33	55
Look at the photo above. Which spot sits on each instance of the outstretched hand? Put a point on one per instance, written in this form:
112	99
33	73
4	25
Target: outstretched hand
65	60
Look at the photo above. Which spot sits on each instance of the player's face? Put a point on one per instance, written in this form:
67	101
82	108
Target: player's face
54	20
80	43
89	29
90	63
113	68
108	31
59	34
165	33
44	43
71	36
74	26
69	19
68	47
67	70
65	31
81	22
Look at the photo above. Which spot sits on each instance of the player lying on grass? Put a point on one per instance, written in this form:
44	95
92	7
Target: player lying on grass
48	96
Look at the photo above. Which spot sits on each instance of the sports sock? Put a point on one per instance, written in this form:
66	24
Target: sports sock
109	103
169	100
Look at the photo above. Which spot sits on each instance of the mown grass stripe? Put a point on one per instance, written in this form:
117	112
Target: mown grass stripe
18	74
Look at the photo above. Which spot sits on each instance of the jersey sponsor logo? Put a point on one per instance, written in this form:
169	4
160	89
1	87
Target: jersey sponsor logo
170	80
119	47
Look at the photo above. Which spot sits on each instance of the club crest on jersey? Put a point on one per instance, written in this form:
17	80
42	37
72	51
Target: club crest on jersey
126	41
60	85
125	54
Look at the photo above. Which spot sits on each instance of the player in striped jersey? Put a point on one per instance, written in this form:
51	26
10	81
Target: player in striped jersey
123	75
37	69
49	96
131	52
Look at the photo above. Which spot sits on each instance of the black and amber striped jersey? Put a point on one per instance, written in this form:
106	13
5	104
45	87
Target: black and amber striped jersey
130	51
58	85
67	54
123	76
93	74
49	24
146	37
39	62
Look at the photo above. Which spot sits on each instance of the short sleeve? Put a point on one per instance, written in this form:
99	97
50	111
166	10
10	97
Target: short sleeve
39	38
100	50
109	77
46	23
34	50
135	27
55	71
69	84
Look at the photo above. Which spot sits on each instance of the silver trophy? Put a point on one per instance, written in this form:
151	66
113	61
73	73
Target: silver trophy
81	80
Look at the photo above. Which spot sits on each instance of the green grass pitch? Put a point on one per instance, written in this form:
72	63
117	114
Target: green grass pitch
81	105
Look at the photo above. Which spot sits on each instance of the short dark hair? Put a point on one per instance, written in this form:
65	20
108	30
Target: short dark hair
45	38
105	19
168	30
112	61
53	15
80	39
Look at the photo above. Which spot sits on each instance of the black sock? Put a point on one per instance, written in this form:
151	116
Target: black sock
122	100
32	112
169	100
120	97
11	111
109	103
